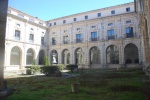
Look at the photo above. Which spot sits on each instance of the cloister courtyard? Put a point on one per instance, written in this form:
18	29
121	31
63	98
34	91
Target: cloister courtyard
93	84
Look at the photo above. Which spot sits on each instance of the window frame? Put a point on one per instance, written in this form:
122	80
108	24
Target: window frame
113	12
17	34
111	34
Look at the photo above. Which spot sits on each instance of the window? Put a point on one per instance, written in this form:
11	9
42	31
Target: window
78	29
93	36
64	21
42	40
50	24
78	38
32	29
110	24
20	15
75	19
128	22
53	41
18	25
86	17
54	23
15	56
110	34
128	9
31	20
29	57
31	37
17	34
65	39
93	26
40	23
98	14
129	32
113	12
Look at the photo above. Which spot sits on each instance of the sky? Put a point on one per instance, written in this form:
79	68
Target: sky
51	9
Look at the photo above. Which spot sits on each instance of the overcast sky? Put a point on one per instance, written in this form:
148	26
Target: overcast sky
51	9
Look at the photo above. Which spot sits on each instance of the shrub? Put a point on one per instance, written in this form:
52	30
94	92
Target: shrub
72	67
46	61
32	69
49	70
60	66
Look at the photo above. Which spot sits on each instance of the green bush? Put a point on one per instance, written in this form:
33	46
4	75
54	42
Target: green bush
46	61
72	67
49	70
60	66
32	69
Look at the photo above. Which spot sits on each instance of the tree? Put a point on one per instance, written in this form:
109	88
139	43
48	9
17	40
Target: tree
46	61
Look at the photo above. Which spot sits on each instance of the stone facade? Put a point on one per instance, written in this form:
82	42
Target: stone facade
143	10
105	37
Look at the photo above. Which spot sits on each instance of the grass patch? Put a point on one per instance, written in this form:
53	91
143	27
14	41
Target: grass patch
94	84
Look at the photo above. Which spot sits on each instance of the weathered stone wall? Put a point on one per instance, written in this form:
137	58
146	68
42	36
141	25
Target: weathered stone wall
144	17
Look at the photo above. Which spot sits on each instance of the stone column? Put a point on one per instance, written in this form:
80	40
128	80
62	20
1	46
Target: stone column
3	16
103	56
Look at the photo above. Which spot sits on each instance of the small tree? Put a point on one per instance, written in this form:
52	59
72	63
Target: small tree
46	61
34	62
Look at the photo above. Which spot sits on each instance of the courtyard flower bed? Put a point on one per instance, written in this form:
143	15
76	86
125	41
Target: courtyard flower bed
94	84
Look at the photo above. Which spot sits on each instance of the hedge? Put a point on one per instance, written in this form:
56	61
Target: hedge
49	70
72	67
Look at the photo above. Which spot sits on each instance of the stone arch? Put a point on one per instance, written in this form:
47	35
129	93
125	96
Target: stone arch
78	56
112	55
30	56
94	54
54	57
131	54
65	56
15	56
41	57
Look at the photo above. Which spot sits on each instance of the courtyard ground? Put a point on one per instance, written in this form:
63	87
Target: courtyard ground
93	84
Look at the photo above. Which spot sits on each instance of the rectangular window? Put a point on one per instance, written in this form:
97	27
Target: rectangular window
53	41
40	23
110	34
86	17
31	37
42	40
128	22
78	29
20	15
31	29
78	38
74	19
113	12
18	25
128	9
50	24
54	23
129	32
93	36
64	21
98	14
65	39
93	26
110	24
17	34
31	20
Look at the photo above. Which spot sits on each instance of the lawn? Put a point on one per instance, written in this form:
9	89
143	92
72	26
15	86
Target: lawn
94	84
